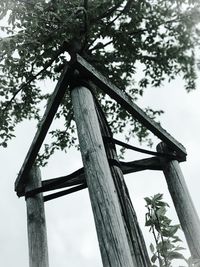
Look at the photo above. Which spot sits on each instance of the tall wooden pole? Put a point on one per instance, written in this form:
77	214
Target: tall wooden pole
114	247
37	236
185	209
133	231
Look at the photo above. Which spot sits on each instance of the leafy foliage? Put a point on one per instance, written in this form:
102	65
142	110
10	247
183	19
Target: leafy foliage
116	36
167	243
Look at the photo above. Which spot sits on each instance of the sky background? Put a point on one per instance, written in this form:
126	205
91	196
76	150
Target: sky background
71	232
72	237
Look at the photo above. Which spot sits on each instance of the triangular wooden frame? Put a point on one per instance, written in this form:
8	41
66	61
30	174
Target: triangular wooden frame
105	85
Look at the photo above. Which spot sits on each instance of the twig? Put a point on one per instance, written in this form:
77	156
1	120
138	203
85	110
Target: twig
101	45
124	10
86	4
155	238
162	239
109	12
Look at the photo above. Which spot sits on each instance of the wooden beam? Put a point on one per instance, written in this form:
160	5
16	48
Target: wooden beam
36	225
65	192
185	209
152	163
134	234
113	242
44	125
78	177
126	102
78	180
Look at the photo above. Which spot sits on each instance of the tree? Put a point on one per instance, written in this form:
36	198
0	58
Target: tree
116	36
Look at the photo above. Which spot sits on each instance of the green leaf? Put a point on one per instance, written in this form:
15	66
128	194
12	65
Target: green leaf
179	248
176	239
154	258
175	255
149	222
160	38
161	211
157	197
152	248
4	144
148	200
173	229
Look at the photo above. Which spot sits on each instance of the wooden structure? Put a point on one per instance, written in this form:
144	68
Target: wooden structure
120	239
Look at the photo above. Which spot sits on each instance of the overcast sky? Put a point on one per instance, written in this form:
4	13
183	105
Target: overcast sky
71	232
72	238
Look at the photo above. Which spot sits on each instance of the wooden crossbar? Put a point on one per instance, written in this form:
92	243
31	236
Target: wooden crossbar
103	83
45	123
78	182
77	178
125	100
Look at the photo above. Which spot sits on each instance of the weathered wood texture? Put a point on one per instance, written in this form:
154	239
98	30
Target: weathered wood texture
45	123
78	177
114	246
135	237
65	192
152	163
37	236
126	102
185	209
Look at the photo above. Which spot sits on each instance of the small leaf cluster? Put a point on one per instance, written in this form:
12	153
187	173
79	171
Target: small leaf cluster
166	247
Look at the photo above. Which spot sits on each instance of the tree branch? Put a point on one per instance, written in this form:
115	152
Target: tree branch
100	45
124	10
33	78
86	4
108	13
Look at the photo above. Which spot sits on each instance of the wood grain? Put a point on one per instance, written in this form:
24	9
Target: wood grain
126	102
114	247
134	234
36	225
185	209
45	123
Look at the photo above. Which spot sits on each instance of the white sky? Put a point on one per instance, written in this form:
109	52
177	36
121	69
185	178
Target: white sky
71	232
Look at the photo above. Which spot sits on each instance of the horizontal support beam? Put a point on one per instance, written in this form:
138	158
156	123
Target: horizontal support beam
77	178
125	100
45	123
65	192
152	163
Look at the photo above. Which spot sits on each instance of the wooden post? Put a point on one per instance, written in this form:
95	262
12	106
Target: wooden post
133	231
37	236
182	201
114	247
